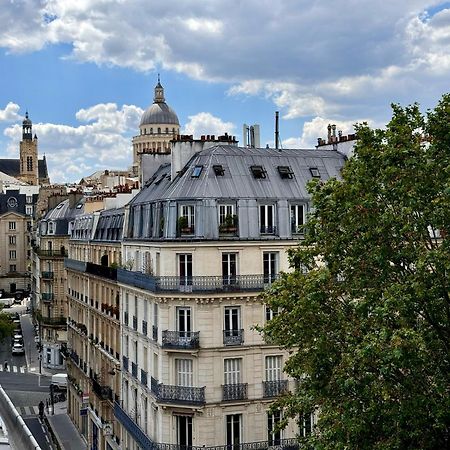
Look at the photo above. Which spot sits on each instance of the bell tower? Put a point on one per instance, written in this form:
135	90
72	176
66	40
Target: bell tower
28	154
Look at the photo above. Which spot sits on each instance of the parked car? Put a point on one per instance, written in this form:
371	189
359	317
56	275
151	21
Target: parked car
18	336
18	349
59	381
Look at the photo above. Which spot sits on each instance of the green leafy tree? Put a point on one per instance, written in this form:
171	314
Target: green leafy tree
367	323
6	326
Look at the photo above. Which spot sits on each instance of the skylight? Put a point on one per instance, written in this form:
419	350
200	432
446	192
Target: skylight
219	170
314	172
285	172
197	171
258	172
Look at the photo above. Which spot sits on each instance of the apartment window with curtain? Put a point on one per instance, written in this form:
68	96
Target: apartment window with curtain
229	263
233	431
297	216
273	435
232	331
184	372
185	269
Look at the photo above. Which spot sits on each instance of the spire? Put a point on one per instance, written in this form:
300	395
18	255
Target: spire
26	127
159	93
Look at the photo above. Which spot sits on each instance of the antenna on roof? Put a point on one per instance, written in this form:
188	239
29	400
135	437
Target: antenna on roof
158	78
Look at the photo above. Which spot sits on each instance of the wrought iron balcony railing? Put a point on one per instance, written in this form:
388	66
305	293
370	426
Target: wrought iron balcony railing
274	388
183	395
236	391
103	392
47	296
233	337
202	284
51	253
268	229
47	275
55	321
181	339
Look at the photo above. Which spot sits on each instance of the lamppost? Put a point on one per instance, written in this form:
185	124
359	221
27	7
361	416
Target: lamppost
40	363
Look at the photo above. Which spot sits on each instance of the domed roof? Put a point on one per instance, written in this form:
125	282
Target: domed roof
27	120
159	112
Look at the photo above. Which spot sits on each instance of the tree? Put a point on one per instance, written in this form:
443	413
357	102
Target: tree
6	326
365	311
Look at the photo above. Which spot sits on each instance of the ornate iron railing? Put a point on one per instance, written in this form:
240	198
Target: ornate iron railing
103	392
268	230
236	391
274	388
233	337
47	275
50	253
181	339
185	395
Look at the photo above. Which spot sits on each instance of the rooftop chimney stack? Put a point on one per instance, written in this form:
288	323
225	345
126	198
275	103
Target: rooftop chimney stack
277	131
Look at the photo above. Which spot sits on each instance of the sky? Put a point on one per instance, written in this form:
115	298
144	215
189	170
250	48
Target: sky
85	70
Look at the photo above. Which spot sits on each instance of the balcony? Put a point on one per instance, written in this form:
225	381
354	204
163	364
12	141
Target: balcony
195	284
267	229
236	391
52	321
233	337
47	296
125	363
183	395
47	275
182	340
274	388
134	369
51	253
102	392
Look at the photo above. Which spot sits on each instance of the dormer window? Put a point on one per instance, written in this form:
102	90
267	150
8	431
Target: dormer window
218	170
285	172
314	172
258	172
197	171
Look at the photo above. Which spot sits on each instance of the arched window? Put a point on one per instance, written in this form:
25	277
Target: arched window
151	130
167	130
159	130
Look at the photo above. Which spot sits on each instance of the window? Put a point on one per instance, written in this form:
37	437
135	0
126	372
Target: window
270	266
273	368
187	219
184	432
225	210
197	171
273	435
229	268
51	228
219	170
28	210
12	239
184	372
12	254
234	430
267	219
29	163
306	424
258	172
232	370
297	218
270	313
232	332
12	225
12	268
314	172
29	199
185	269
285	172
184	321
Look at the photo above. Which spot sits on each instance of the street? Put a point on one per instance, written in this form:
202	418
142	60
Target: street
20	377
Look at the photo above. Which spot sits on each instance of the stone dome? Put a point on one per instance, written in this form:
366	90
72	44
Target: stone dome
159	113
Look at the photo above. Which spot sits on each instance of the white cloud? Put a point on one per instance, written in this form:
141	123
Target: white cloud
10	113
206	123
103	143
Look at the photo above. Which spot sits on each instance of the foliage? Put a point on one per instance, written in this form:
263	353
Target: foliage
368	324
6	326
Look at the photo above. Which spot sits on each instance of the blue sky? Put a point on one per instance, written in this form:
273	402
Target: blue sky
85	70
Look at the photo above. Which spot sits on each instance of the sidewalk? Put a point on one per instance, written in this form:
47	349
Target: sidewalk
64	430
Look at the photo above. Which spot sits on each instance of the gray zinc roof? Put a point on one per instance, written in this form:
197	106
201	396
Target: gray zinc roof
238	180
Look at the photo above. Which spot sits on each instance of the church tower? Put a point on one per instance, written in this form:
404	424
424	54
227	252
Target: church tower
28	154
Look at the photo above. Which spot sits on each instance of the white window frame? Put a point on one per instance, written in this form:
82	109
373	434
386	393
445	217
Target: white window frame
273	367
184	372
225	209
297	215
232	371
267	218
188	211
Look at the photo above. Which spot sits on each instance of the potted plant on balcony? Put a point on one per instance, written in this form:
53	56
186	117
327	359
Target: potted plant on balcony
229	225
183	225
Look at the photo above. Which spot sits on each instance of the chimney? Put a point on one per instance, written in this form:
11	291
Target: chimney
74	198
329	133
